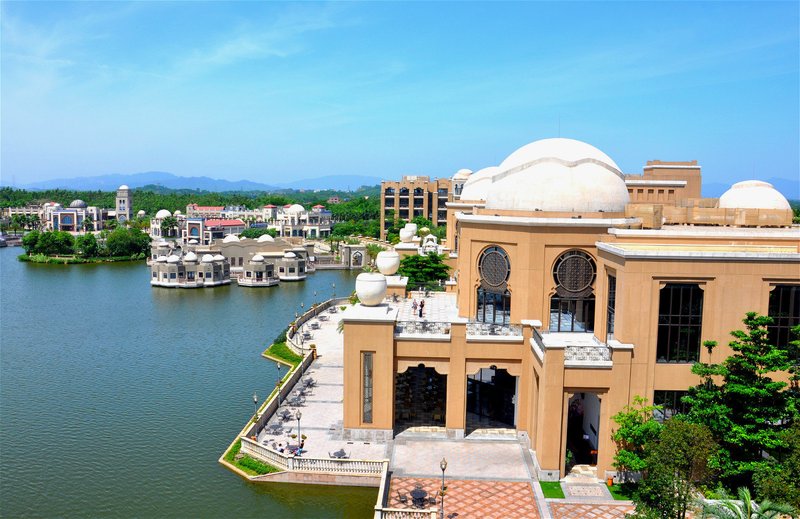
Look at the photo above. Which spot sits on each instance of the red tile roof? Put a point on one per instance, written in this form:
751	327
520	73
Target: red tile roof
207	207
269	206
223	223
318	206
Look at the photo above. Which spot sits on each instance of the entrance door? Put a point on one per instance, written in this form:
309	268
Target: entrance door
420	398
583	430
491	399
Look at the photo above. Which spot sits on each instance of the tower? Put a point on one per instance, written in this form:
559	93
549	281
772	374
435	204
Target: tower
124	203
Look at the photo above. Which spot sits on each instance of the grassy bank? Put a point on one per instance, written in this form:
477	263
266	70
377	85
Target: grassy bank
74	260
247	464
622	492
281	351
552	489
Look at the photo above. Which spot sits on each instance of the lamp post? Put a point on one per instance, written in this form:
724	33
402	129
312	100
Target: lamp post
255	405
278	383
299	436
333	287
443	466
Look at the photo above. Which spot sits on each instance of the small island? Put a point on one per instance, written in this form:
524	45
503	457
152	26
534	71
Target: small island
61	247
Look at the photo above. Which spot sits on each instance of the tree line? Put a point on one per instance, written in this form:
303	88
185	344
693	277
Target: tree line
120	242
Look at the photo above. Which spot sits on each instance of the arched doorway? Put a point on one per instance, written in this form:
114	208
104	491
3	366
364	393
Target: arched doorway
583	430
491	399
420	398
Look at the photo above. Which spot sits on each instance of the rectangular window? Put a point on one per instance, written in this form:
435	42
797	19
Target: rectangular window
366	370
784	308
670	402
680	323
173	275
571	315
155	274
190	276
611	309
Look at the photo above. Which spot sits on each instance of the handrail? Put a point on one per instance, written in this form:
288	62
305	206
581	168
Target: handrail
352	467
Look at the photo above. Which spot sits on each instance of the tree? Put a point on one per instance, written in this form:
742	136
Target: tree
88	223
636	428
372	251
86	246
745	508
424	271
747	411
127	242
30	241
778	479
255	232
677	461
168	224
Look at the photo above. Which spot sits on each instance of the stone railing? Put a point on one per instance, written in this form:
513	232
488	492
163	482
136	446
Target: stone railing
291	340
587	354
290	462
421	328
494	330
384	512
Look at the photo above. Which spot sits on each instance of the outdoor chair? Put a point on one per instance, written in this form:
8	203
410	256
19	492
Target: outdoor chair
402	497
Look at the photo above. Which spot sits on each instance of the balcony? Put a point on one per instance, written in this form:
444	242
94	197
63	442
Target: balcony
422	330
491	332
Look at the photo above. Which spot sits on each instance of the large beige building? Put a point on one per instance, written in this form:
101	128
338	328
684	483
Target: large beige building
575	292
414	196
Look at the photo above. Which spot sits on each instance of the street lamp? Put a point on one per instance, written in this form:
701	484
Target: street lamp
255	404
443	466
299	436
333	286
278	383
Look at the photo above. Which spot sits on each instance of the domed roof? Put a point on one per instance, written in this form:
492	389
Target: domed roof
207	258
290	255
230	238
753	194
219	257
258	258
163	213
296	208
558	175
462	174
478	183
163	243
173	259
123	186
190	256
161	259
265	238
140	212
77	204
177	212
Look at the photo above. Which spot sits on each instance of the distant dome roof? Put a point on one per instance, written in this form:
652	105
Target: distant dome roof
296	208
190	256
123	186
177	212
462	174
163	243
230	238
290	254
163	213
207	258
140	212
753	194
173	259
161	259
258	258
558	175
478	183
77	204
193	241
265	238
219	257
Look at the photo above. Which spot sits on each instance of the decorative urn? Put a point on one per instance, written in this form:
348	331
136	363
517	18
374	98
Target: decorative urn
370	288
406	235
388	261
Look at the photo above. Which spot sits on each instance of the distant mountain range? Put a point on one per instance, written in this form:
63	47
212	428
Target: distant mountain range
168	180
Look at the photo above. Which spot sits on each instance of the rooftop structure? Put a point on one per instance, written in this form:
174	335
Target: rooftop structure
415	196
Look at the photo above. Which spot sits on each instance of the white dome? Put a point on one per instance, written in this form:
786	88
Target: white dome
478	183
163	213
193	242
123	186
161	259
230	238
219	257
140	212
173	259
177	212
753	194
207	258
258	258
296	208
290	255
77	204
558	175
265	238
190	256
462	174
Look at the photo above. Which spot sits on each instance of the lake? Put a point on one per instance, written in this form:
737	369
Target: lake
116	399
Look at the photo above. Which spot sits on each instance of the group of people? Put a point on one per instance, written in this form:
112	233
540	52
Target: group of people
418	307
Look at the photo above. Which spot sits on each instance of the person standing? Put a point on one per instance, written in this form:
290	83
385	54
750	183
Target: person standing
421	308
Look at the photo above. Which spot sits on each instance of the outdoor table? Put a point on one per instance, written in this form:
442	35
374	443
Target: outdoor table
323	317
276	427
315	326
418	497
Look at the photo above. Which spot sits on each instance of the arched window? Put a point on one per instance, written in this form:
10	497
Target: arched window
494	299
194	231
358	259
572	306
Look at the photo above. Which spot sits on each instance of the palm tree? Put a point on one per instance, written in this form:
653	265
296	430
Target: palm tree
745	508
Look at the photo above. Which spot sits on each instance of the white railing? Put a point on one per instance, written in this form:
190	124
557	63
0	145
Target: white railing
421	328
587	354
349	467
496	330
405	513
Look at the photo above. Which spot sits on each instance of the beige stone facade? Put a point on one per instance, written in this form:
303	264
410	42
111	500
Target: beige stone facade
560	318
414	196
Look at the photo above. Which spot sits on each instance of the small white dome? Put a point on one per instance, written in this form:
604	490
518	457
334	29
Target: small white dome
230	238
753	194
173	259
190	256
177	212
219	257
140	212
163	213
562	175
290	255
478	183
258	258
163	243
265	238
123	186
77	204
462	174
161	259
207	258
296	208
193	242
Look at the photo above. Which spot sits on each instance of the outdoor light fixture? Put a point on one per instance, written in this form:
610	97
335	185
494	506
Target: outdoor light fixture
255	404
443	466
299	436
333	287
278	383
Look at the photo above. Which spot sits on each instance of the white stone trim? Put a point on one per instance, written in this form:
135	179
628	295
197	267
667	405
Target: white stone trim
664	183
495	338
722	232
527	221
668	166
697	255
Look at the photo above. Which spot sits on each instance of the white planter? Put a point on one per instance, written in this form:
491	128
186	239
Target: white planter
406	235
370	288
388	261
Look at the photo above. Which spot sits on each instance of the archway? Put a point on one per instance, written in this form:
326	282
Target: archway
583	430
420	398
491	399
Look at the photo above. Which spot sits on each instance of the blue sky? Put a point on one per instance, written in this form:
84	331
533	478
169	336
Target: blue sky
272	92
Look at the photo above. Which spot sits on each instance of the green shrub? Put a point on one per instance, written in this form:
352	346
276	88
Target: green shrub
256	466
279	350
552	489
230	456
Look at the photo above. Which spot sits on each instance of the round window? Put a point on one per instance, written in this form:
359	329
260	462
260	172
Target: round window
574	271
494	267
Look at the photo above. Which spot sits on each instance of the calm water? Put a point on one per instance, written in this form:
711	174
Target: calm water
116	399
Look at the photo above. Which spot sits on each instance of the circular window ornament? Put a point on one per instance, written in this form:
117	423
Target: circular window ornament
574	271
494	267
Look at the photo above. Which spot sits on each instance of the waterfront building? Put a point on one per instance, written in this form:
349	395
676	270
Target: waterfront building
169	234
206	230
124	204
415	196
571	295
297	222
189	271
258	272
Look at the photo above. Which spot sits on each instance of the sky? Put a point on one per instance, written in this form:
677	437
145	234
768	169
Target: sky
272	92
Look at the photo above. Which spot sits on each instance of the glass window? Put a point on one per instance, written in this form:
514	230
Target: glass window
494	299
366	368
611	308
670	403
784	308
680	322
572	306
